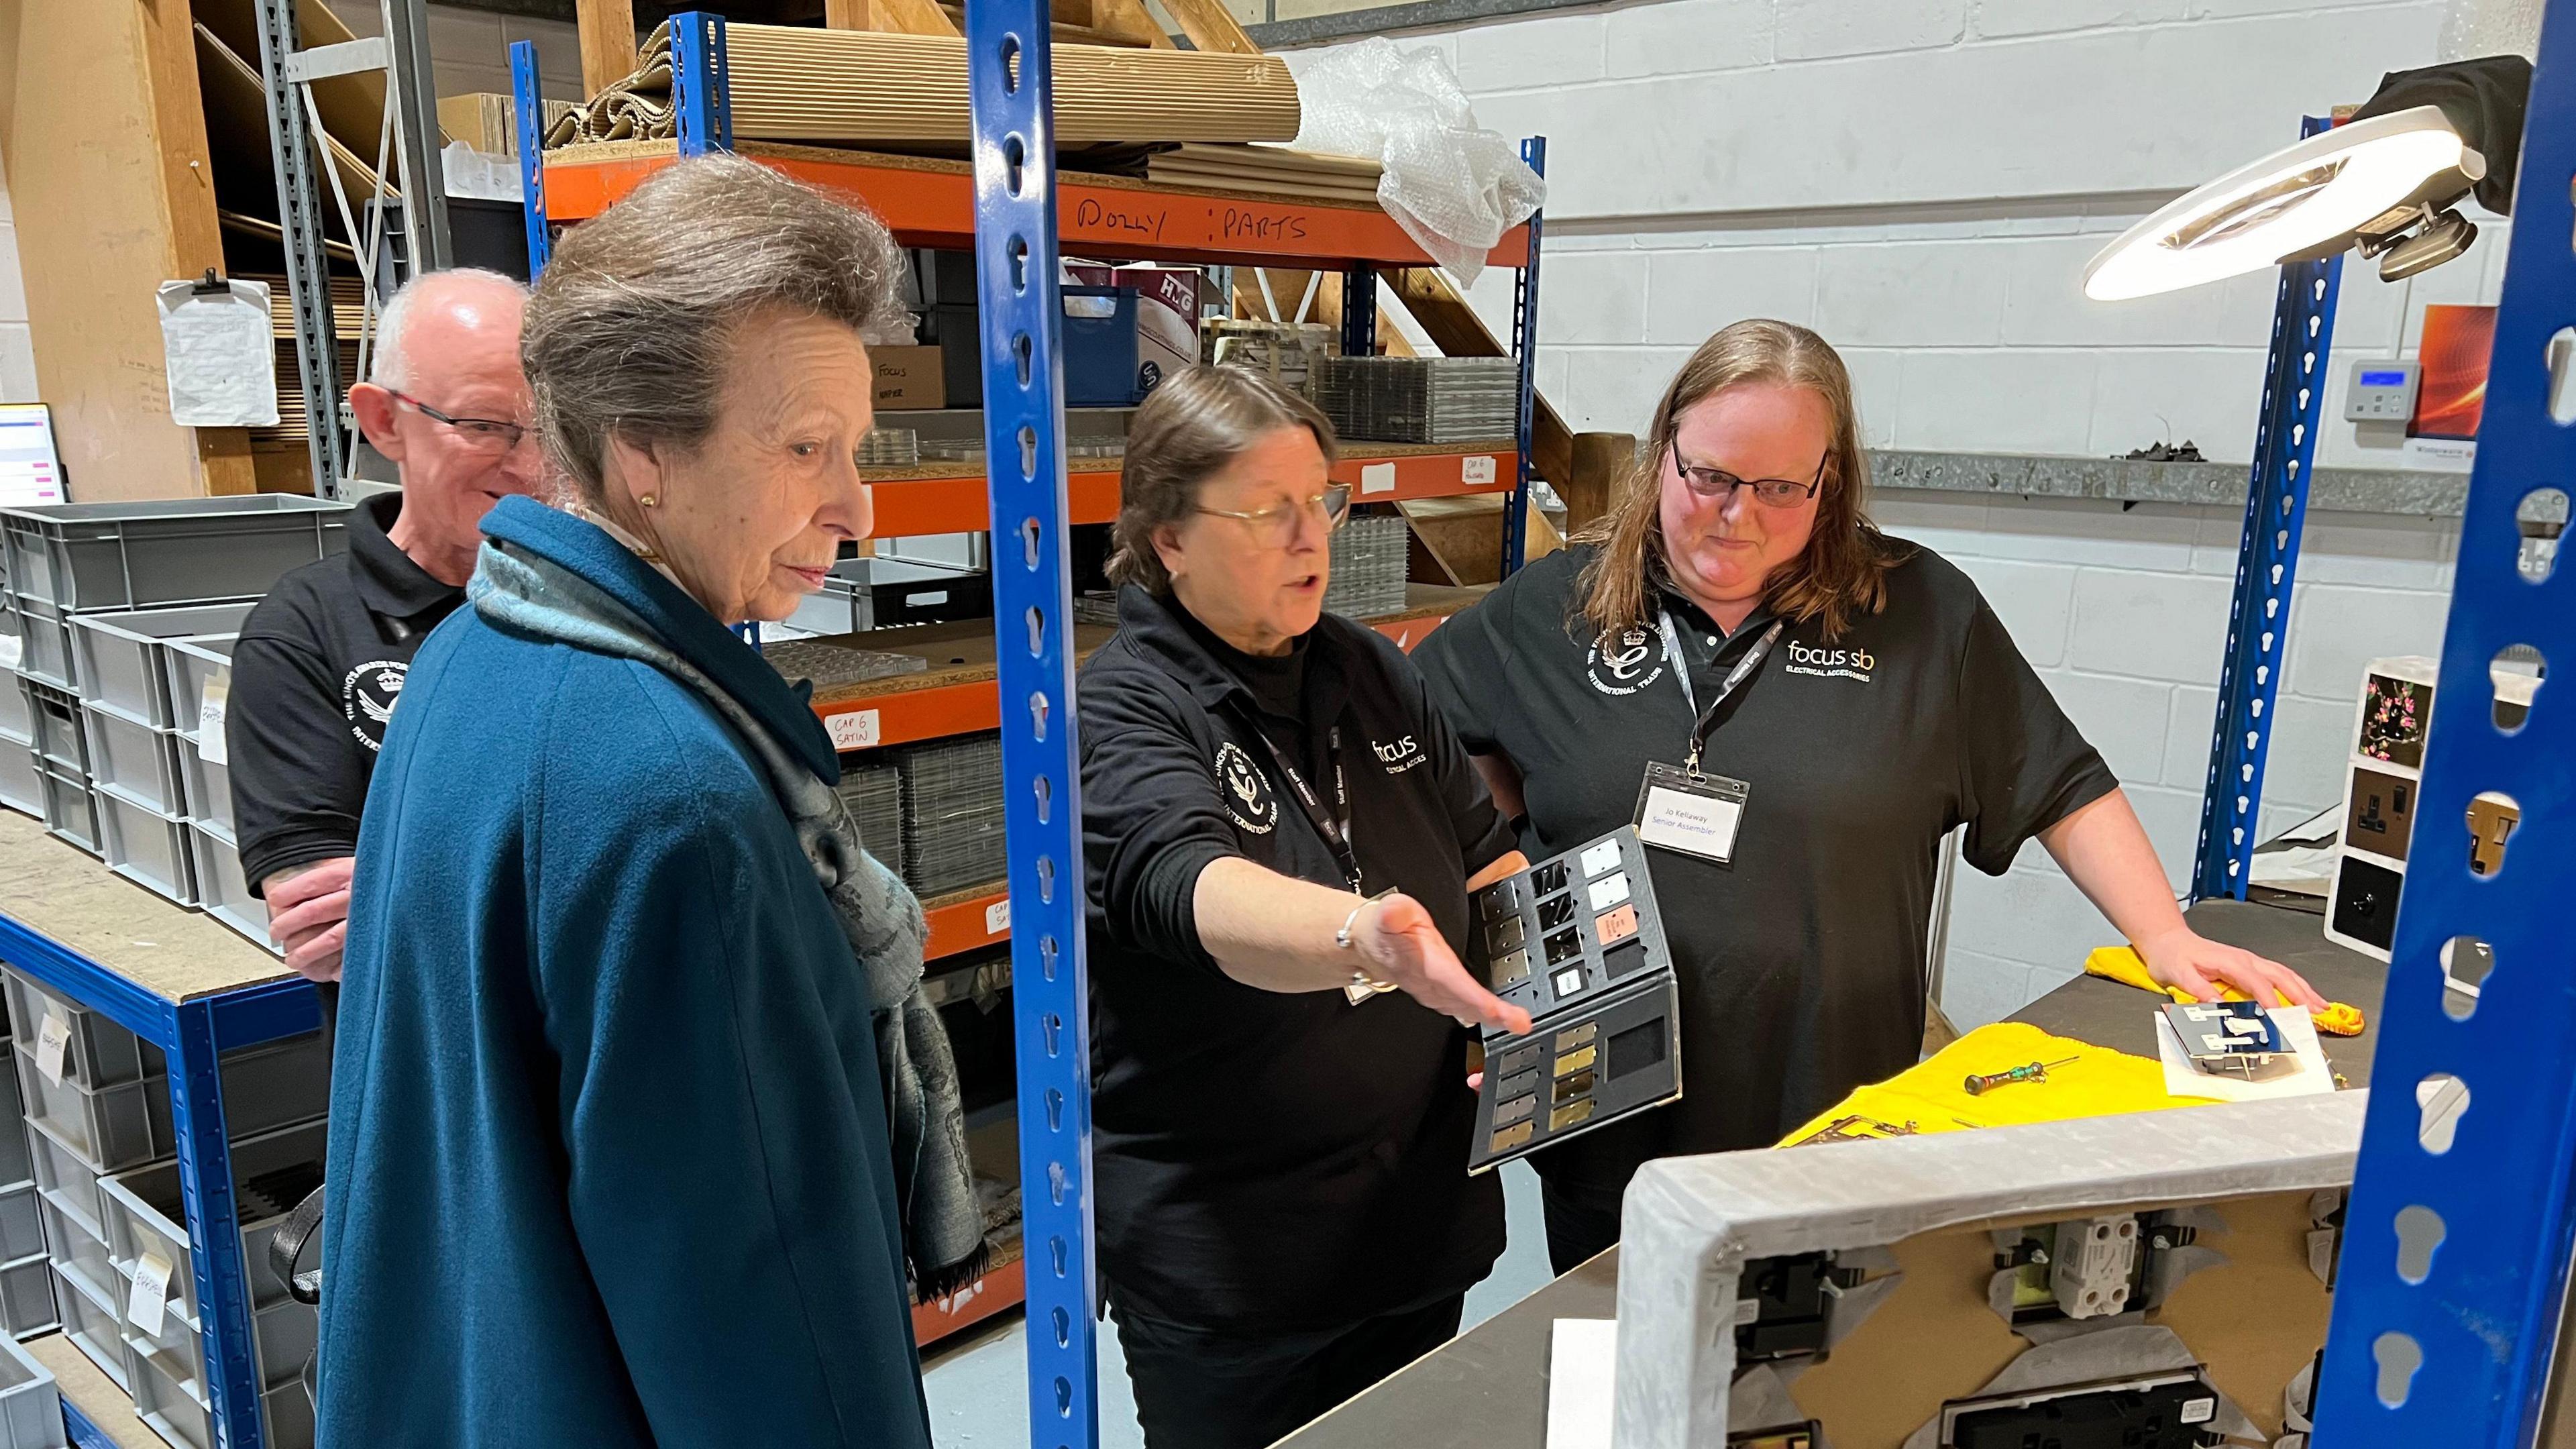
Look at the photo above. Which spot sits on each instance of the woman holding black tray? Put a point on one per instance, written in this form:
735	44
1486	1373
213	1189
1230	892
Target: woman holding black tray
1280	835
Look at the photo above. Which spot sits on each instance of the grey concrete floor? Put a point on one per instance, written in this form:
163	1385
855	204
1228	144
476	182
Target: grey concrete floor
979	1396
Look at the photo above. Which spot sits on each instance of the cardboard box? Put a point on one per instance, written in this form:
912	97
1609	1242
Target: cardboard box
909	379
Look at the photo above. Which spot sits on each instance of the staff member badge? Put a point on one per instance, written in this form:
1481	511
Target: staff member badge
1696	814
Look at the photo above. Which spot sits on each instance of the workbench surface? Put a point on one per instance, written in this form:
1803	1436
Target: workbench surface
1489	1386
59	891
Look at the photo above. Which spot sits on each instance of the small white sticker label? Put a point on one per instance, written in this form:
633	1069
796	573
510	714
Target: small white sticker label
151	1295
51	1040
210	718
1747	1311
1697	824
997	918
12	649
2199	1411
1377	478
1477	469
856	730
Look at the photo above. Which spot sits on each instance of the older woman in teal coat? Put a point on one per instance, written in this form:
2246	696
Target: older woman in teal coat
641	1132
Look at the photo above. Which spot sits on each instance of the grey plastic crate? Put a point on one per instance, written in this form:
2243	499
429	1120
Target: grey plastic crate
208	785
22	787
84	556
67	1182
146	846
140	761
221	891
70	813
45	648
118	654
77	1254
177	1412
90	1322
271	1174
15	721
27	1296
31	1406
96	1051
60	735
190	664
108	1128
283	1333
17	1157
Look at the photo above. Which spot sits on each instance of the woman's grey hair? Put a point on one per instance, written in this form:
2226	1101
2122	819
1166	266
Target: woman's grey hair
631	326
1188	430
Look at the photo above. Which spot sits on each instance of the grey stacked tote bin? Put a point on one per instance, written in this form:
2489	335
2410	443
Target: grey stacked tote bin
104	1180
21	789
26	1286
31	1404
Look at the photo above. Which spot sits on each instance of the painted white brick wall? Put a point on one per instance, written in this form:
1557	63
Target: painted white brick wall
1923	181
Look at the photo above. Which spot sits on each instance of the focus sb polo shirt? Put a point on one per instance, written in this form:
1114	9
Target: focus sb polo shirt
1267	1161
1801	964
316	674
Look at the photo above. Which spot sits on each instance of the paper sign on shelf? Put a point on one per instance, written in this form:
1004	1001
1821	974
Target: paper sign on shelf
856	730
1377	478
150	1299
51	1040
997	918
1478	469
220	352
210	718
12	649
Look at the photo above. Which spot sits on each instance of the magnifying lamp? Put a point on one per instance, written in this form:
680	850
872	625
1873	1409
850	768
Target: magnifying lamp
2384	183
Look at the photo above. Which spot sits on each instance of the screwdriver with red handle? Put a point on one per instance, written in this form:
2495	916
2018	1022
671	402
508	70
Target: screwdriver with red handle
2035	1072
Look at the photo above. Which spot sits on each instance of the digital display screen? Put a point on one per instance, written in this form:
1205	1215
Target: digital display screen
29	470
2383	379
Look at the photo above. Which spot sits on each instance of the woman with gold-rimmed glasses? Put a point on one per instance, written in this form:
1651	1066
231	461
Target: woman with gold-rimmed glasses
1279	836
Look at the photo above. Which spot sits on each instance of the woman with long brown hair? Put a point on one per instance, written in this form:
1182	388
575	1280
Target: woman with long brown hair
1794	708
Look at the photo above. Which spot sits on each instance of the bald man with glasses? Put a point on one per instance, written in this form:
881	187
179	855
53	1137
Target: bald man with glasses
320	663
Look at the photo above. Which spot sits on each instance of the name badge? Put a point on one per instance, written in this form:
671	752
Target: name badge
1694	815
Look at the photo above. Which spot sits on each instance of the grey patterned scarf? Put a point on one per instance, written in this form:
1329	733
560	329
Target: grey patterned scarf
943	1228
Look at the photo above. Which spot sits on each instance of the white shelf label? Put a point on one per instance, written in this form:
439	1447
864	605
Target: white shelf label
151	1295
1377	478
51	1039
1477	469
997	918
856	730
12	649
210	718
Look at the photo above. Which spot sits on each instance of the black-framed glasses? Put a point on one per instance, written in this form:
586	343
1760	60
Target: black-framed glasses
483	434
1276	525
1715	484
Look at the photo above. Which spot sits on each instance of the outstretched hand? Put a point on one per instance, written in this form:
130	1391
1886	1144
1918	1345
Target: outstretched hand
2185	960
1398	942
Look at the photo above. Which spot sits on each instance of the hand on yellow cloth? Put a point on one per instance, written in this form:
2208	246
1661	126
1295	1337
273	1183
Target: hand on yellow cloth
2126	966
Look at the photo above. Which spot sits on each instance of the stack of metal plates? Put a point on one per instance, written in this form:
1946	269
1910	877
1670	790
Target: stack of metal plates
952	814
830	666
1368	567
874	792
1420	399
1101	609
885	447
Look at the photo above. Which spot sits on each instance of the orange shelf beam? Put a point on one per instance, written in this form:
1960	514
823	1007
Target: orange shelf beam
1002	1288
929	206
966	925
906	716
911	507
1426	475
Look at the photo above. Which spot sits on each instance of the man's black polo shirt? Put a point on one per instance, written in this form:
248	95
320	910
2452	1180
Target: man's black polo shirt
1801	964
1268	1161
316	673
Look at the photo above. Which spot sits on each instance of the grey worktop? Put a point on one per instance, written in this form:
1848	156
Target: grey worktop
1488	1387
2405	492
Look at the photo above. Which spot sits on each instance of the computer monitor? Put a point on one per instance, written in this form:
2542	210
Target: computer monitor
30	470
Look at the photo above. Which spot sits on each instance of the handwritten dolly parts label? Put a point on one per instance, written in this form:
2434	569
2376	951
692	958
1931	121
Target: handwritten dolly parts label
1149	218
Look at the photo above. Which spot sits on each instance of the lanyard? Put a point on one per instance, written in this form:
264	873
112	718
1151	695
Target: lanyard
1335	829
1735	678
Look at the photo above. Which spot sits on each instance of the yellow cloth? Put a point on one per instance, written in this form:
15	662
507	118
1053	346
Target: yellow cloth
1933	1097
2124	965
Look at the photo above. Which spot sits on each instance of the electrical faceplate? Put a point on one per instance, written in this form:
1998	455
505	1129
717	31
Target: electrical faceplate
2382	392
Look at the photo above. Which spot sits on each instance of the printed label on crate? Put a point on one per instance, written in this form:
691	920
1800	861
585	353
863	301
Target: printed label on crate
856	730
12	649
151	1295
210	718
1377	478
997	918
51	1039
1476	470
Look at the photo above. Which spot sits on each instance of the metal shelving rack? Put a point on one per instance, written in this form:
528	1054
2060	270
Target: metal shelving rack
1019	214
2454	1271
192	1034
